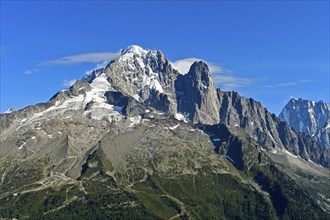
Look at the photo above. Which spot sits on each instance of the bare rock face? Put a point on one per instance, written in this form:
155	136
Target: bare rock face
269	131
309	117
197	96
249	114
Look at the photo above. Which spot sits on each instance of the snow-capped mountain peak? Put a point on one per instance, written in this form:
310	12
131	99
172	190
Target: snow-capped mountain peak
138	72
130	55
136	69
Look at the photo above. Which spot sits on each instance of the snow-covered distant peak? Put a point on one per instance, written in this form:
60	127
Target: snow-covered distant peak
306	116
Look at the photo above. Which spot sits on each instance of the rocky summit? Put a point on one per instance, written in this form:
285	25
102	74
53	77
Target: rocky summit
140	140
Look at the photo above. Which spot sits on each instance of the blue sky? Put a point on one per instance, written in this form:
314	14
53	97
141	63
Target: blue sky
267	50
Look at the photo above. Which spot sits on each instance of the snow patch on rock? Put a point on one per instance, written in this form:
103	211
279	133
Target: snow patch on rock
216	139
134	120
174	127
289	153
22	145
182	117
230	159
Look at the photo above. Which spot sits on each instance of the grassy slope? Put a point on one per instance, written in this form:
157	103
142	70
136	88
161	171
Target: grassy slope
184	180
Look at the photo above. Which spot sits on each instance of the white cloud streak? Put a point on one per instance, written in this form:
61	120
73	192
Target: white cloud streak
305	80
68	83
29	72
231	82
83	58
288	84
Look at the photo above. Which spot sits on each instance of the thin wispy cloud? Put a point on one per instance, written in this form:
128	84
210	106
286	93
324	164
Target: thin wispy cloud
230	82
29	72
288	84
305	80
83	58
68	83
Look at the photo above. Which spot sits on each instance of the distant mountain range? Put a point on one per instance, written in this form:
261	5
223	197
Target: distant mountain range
139	140
309	117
